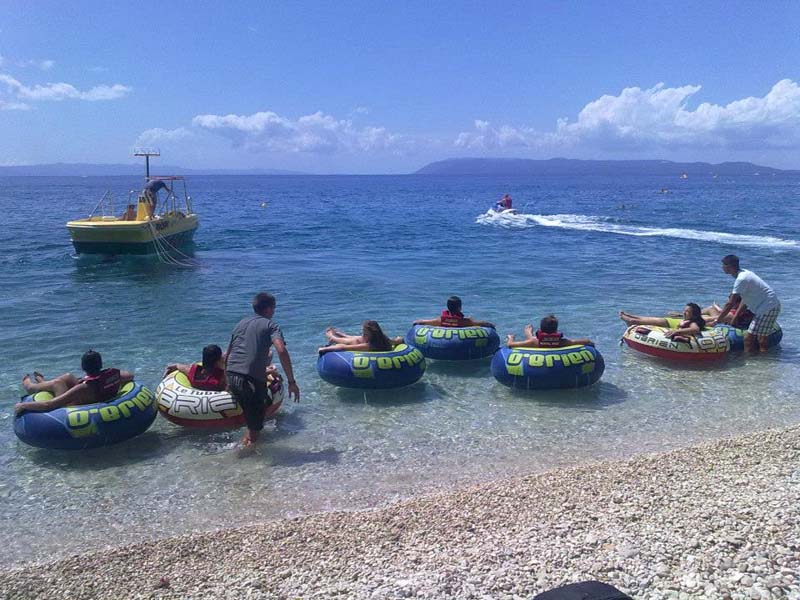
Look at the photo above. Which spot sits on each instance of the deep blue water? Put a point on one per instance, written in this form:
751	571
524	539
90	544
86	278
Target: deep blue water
338	250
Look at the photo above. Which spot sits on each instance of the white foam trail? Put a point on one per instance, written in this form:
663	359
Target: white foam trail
605	225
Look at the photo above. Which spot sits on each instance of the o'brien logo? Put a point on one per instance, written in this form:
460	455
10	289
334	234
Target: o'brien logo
516	360
713	342
478	334
79	417
195	402
361	363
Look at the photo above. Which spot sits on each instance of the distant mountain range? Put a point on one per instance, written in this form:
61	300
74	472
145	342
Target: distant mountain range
110	170
568	166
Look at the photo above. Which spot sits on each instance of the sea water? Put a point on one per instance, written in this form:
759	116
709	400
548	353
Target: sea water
336	251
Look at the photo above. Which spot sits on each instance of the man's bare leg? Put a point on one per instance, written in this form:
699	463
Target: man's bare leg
750	342
763	343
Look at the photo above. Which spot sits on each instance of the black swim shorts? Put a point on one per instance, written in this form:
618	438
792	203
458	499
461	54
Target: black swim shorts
251	395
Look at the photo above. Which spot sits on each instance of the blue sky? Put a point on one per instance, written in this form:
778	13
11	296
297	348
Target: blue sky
385	87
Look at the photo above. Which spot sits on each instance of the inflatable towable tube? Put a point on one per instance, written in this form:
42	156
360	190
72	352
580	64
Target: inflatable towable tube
548	368
736	336
372	370
453	343
130	413
184	405
708	345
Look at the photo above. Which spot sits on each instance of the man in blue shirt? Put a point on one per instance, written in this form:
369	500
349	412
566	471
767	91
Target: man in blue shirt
750	290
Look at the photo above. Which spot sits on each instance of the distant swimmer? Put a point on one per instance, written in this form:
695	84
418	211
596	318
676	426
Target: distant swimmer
664	190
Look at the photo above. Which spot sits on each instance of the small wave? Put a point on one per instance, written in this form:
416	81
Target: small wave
606	225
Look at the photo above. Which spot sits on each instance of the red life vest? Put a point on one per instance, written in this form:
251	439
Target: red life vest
212	383
743	319
105	384
449	319
549	340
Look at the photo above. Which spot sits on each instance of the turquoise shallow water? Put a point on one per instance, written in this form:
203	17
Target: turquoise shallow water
337	250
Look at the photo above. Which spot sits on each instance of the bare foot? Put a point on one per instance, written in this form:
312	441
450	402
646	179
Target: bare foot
38	377
26	382
629	319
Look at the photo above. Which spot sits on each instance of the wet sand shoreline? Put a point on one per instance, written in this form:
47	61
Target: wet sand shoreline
719	520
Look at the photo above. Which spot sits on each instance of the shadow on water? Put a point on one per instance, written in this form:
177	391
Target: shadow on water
595	397
144	447
477	369
92	268
290	457
413	394
652	364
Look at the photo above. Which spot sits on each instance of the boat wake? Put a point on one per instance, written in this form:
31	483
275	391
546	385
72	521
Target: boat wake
609	225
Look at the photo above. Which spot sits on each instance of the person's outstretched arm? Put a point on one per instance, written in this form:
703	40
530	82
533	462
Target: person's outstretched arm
341	347
286	363
577	342
433	322
470	322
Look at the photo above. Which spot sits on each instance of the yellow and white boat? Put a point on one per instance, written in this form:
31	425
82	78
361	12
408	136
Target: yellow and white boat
142	228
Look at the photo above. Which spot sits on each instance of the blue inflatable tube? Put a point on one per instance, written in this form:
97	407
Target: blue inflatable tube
548	368
453	343
372	370
89	425
736	336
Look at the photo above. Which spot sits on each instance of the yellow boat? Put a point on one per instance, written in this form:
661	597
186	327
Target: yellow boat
141	229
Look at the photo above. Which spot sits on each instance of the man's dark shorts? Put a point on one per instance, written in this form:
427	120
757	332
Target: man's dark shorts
251	395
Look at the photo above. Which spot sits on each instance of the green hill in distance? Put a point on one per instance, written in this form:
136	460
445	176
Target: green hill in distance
568	166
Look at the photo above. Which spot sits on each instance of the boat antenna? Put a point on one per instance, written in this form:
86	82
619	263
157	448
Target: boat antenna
147	153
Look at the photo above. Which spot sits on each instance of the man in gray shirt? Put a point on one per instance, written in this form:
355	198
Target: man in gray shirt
247	361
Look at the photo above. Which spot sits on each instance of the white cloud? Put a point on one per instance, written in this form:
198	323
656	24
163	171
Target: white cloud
62	91
158	135
11	105
660	118
315	133
486	137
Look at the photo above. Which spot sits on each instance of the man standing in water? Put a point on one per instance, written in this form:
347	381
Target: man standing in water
749	289
247	361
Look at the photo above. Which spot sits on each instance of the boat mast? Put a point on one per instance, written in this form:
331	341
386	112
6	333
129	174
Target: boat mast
147	153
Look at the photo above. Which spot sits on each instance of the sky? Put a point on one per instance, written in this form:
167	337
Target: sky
386	87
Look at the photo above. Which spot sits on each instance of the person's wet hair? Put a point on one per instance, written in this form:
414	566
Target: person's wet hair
211	354
696	315
262	301
731	260
374	336
454	304
549	324
92	362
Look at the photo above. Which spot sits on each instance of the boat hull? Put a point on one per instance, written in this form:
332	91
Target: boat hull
130	237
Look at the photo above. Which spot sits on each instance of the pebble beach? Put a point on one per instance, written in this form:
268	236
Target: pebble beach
719	520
